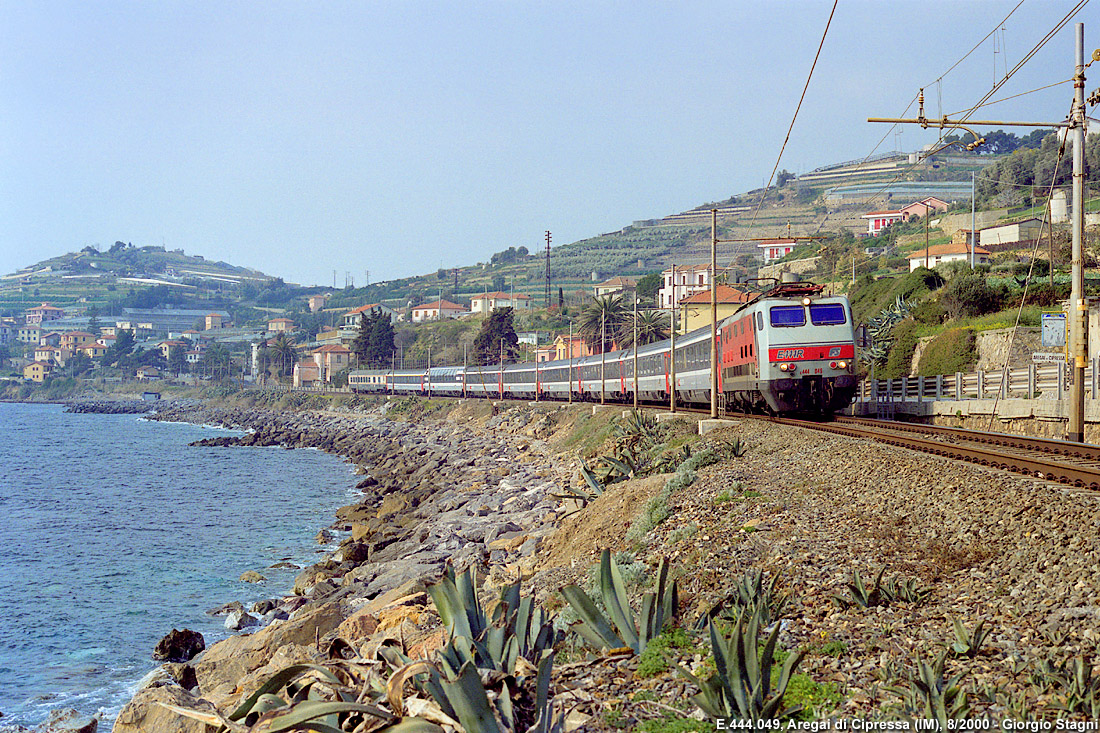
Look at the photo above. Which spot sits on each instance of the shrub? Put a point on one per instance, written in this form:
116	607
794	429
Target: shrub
971	295
900	358
951	351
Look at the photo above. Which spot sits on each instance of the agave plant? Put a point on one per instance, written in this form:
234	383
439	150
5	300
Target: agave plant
491	661
859	595
1072	681
968	643
752	595
621	631
930	695
325	698
742	687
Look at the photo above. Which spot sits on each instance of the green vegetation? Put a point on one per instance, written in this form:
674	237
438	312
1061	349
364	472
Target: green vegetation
618	629
951	351
654	659
900	356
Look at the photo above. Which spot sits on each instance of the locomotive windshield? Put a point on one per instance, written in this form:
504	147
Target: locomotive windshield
827	314
787	315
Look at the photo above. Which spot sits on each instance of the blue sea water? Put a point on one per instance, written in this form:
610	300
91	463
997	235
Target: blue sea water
113	531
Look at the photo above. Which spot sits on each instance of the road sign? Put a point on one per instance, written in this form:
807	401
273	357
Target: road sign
1040	358
1053	330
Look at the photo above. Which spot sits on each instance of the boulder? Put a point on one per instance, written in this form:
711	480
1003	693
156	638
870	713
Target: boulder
179	646
227	608
323	537
145	714
262	607
251	576
67	720
238	620
237	656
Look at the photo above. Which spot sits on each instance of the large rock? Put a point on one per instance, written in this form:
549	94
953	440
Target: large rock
238	620
230	660
145	714
179	646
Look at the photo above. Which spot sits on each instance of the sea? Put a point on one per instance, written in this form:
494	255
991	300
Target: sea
113	531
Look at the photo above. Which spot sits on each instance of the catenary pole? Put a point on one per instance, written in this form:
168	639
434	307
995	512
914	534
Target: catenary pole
1079	304
713	313
635	351
672	347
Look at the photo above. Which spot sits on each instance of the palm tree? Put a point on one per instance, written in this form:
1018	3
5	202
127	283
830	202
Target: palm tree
604	315
652	326
284	354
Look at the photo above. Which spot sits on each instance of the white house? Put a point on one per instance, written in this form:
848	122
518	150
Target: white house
941	253
686	280
774	249
436	310
351	318
487	302
879	220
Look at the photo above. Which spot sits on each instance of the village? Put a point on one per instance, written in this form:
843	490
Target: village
189	345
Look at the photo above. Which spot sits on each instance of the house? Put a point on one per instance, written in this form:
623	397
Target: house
192	335
214	321
544	353
37	371
437	310
5	333
918	209
684	281
29	335
571	348
306	374
194	356
280	325
43	313
695	309
75	339
941	253
54	355
487	302
317	302
166	346
147	373
330	360
1026	230
94	350
614	285
324	338
50	338
351	318
774	249
107	340
879	220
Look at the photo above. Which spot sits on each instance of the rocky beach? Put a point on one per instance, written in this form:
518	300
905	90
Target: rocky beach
480	486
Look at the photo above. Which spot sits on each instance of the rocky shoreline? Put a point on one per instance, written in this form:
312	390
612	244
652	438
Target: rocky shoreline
433	493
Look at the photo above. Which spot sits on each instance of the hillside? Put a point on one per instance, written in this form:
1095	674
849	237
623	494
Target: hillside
826	201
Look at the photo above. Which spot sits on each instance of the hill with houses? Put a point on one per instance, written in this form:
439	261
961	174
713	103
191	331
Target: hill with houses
833	224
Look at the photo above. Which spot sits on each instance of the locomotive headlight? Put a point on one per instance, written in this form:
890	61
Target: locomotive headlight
842	364
805	301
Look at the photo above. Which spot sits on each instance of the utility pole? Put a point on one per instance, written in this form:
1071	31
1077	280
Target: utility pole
973	204
1078	316
570	361
926	238
672	347
548	269
603	358
635	351
714	313
1078	303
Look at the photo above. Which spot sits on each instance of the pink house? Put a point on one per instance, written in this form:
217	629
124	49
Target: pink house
331	359
918	209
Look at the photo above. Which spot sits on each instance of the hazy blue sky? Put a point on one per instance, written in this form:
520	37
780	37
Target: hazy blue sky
399	137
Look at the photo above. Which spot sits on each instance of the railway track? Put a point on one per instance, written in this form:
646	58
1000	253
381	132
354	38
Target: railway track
1072	464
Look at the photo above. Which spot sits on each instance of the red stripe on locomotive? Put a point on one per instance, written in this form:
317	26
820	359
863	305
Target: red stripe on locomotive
807	353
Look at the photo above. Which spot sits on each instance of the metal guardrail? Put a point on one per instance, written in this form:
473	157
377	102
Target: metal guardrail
1021	383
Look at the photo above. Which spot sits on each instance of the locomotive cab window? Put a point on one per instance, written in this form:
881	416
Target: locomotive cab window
787	315
827	314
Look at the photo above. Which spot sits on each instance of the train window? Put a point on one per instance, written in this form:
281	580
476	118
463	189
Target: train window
787	315
759	321
827	314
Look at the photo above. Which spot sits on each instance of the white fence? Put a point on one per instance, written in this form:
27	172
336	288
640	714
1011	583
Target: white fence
1022	383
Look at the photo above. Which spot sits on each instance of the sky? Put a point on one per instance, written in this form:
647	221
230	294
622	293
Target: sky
398	137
